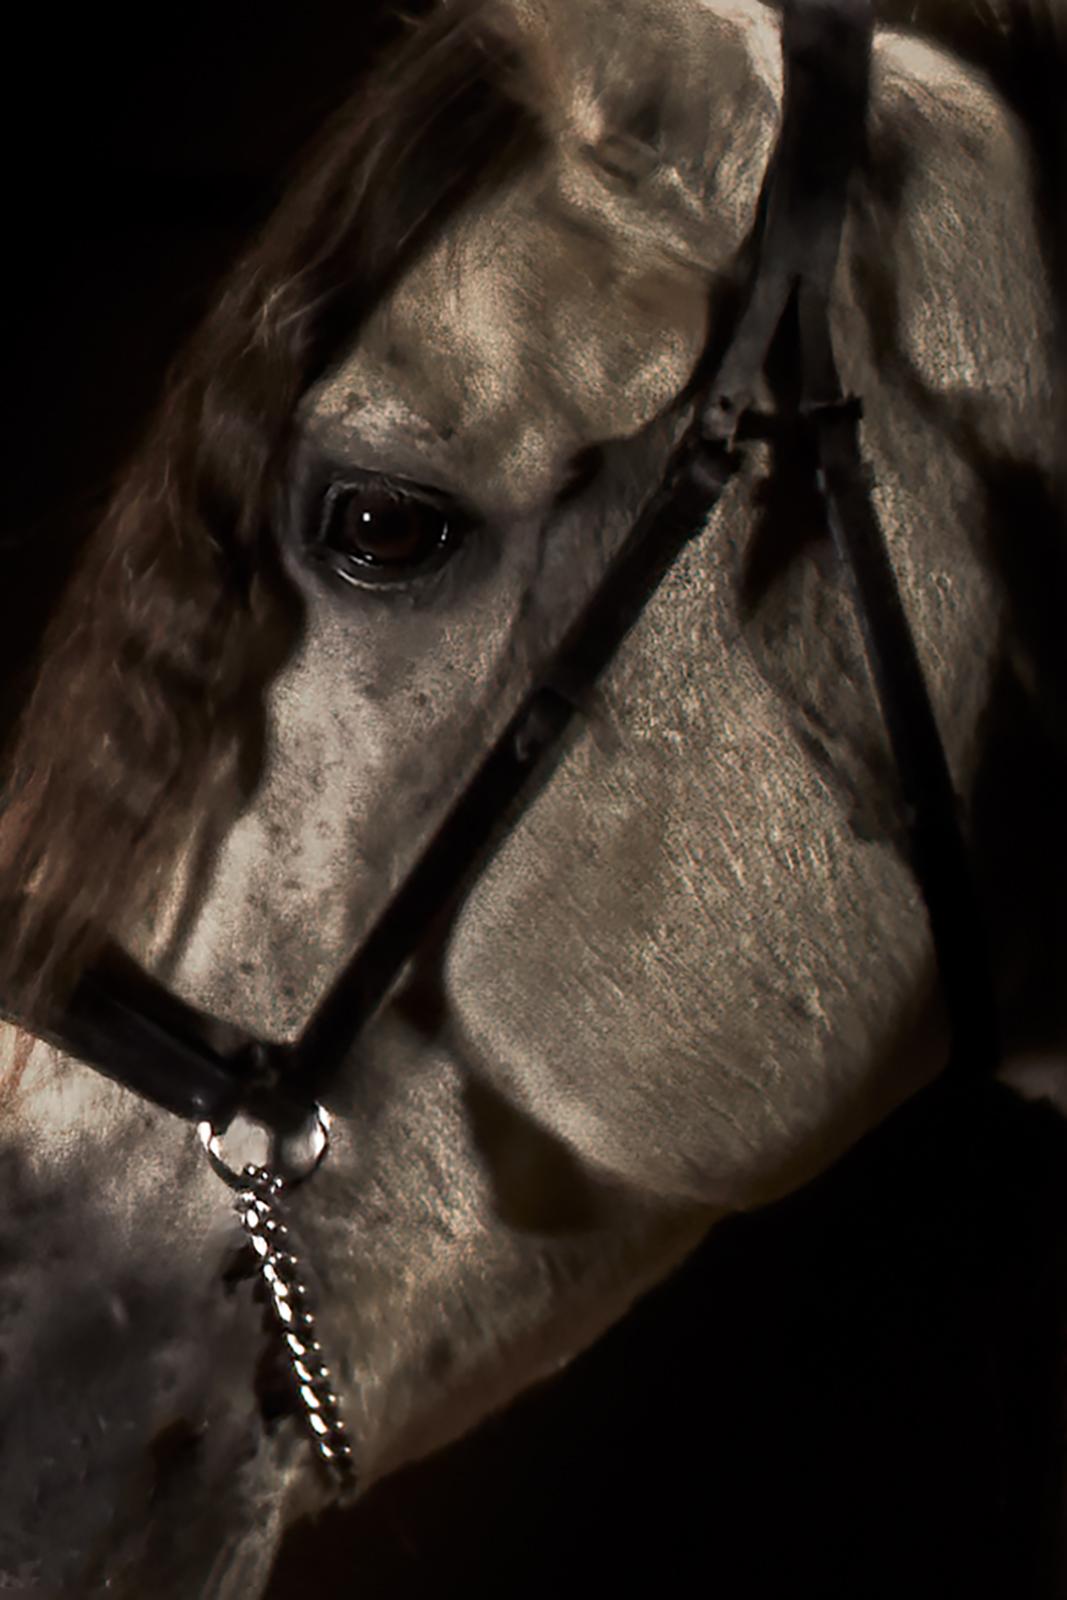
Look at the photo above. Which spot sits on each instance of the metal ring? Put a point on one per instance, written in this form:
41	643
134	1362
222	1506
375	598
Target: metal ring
293	1157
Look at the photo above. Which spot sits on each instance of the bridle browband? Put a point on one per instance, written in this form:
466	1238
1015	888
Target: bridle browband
133	1029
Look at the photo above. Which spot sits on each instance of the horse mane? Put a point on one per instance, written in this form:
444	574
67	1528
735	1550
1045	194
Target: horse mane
147	708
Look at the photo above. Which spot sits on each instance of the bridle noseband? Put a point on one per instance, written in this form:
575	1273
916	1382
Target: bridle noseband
130	1027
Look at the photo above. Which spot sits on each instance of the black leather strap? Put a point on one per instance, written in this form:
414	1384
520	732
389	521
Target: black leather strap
938	853
130	1027
826	59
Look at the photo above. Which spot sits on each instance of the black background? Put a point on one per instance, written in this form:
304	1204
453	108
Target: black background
858	1393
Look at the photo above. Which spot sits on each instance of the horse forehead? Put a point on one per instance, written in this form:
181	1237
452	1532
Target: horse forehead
572	306
536	328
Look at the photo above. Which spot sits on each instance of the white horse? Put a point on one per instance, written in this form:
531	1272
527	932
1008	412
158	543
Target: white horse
698	969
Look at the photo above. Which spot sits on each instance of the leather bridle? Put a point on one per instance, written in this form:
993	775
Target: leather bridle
133	1029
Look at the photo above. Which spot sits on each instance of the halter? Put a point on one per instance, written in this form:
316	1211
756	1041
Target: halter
133	1029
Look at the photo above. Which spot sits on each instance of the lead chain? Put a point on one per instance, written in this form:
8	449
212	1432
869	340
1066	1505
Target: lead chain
258	1194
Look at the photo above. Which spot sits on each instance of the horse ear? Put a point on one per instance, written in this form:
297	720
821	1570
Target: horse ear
639	91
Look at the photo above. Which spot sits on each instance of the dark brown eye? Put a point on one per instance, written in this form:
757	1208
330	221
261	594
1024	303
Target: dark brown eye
377	533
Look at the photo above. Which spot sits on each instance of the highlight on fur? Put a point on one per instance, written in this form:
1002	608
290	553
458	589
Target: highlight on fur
150	687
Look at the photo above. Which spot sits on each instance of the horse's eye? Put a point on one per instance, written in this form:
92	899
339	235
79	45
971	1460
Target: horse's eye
374	533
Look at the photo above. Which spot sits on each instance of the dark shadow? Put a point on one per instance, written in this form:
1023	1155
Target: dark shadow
847	1394
539	1186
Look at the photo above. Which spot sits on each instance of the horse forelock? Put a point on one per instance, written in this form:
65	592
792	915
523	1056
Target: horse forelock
147	700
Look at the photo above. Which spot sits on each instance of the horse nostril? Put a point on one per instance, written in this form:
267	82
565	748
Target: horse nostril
241	1266
174	1455
273	1388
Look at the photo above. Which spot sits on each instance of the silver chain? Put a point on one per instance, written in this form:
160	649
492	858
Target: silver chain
257	1195
257	1209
